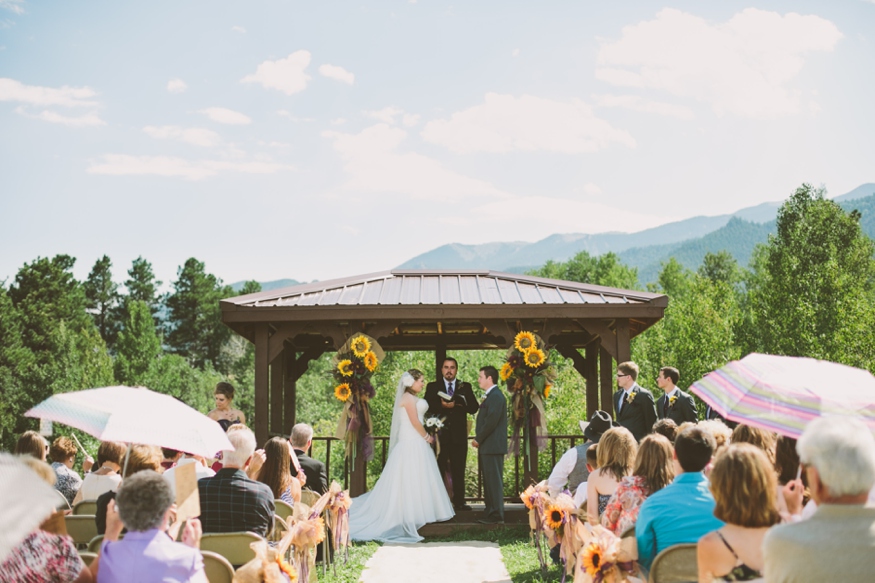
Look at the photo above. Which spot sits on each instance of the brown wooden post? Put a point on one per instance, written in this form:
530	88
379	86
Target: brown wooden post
440	354
276	394
358	475
530	463
261	384
624	344
606	372
591	376
290	388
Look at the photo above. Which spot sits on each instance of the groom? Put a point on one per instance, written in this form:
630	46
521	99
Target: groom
491	442
454	435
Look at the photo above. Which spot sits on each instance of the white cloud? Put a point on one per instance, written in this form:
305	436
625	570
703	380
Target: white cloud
410	119
385	115
194	136
80	121
288	115
591	189
638	103
515	53
12	90
740	67
176	86
287	75
374	162
125	165
239	29
14	6
504	123
226	116
338	121
337	73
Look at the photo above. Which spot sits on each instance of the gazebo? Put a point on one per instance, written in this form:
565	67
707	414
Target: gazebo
433	310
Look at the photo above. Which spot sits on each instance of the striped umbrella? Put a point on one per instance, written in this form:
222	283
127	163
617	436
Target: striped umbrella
784	393
135	415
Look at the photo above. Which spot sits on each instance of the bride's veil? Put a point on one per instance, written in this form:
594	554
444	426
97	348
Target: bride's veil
405	382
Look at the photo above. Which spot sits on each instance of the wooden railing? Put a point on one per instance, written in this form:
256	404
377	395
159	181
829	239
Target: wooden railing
557	445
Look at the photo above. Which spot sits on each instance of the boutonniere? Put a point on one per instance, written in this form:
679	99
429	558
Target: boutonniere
631	397
672	399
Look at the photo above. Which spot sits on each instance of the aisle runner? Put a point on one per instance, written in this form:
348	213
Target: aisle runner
461	562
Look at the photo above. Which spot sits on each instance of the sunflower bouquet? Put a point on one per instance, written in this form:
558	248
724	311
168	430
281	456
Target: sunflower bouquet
353	366
603	557
529	375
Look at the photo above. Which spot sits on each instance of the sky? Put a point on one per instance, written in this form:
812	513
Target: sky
313	140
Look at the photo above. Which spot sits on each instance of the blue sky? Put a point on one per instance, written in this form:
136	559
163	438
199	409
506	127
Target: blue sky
316	140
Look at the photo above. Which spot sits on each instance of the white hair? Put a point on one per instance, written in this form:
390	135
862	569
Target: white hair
842	450
301	434
243	441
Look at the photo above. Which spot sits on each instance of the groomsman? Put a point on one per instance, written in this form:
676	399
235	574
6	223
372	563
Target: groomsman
491	442
634	406
674	404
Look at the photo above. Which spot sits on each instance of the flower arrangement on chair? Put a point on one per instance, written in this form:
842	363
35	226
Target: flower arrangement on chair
529	375
353	366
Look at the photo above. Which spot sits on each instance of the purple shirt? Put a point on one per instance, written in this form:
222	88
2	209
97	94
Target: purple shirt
142	557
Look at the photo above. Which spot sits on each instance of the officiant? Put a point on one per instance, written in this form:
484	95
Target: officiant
451	398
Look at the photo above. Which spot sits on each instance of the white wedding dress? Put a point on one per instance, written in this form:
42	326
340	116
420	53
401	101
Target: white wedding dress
409	493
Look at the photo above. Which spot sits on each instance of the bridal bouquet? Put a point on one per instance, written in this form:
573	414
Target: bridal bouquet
529	375
354	364
433	424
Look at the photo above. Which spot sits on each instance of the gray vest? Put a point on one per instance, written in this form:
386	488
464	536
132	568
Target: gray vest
579	474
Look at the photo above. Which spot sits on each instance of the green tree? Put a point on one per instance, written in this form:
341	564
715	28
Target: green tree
195	328
173	375
16	366
142	286
811	286
138	345
720	266
103	299
674	279
584	268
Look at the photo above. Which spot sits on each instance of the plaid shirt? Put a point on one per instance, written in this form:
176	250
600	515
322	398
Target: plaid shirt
232	502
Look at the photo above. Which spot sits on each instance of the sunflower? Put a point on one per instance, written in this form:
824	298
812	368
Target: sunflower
370	361
286	568
360	346
547	391
534	357
524	341
342	392
592	559
554	517
527	496
345	367
506	371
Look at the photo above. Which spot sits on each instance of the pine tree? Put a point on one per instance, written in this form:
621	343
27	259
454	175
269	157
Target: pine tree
138	345
103	299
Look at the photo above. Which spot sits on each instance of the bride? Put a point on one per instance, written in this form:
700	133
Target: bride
410	492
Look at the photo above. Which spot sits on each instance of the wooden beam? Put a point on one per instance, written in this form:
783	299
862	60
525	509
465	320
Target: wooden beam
606	372
302	363
608	337
290	389
261	384
440	354
277	339
592	379
276	396
577	359
624	344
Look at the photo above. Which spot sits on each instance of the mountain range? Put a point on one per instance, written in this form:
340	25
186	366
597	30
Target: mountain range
687	240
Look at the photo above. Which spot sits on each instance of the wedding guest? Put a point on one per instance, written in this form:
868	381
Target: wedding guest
276	471
107	476
683	511
667	428
633	404
141	457
616	455
317	474
838	542
653	471
33	444
147	553
231	501
44	556
722	434
744	489
63	454
171	456
201	470
224	413
674	404
761	438
571	469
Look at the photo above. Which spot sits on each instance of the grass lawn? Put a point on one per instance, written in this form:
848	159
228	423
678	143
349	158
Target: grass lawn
520	557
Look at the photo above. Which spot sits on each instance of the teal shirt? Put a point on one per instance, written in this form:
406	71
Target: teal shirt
682	512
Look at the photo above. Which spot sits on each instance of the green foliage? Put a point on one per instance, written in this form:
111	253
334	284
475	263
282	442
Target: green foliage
194	323
103	298
720	267
811	287
584	268
674	279
172	375
142	286
138	345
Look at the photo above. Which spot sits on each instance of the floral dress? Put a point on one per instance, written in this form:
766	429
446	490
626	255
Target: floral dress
621	513
41	558
68	482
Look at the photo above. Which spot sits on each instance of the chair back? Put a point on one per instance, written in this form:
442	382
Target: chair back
283	509
85	507
628	533
234	546
81	528
676	564
217	568
309	497
87	557
62	502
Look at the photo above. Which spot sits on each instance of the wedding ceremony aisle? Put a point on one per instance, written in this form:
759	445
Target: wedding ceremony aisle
438	562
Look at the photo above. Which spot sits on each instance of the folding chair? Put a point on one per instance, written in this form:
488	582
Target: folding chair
87	557
81	528
234	546
283	510
676	564
217	568
85	507
94	544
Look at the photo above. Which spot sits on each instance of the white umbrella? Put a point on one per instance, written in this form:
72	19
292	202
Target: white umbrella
27	501
135	415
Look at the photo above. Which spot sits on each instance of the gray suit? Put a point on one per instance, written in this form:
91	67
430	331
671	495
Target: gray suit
491	435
